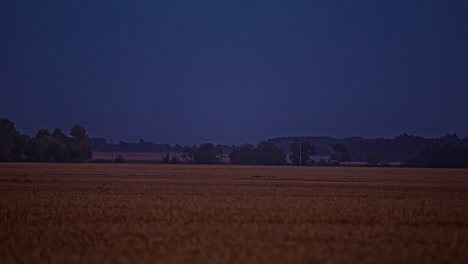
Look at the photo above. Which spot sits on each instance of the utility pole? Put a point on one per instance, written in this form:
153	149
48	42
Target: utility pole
112	151
300	153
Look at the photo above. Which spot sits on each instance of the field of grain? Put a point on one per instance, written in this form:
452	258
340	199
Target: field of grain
136	213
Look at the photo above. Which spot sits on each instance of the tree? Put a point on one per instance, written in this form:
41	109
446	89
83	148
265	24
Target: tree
81	140
42	133
44	147
270	154
207	154
437	156
323	162
56	151
166	159
119	159
372	159
188	153
175	160
301	152
341	153
243	155
60	136
12	143
78	133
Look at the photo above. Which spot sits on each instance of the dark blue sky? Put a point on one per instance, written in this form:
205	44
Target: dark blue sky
235	71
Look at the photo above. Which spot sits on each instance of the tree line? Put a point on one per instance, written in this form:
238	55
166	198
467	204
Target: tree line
45	146
265	153
400	148
449	155
445	152
102	145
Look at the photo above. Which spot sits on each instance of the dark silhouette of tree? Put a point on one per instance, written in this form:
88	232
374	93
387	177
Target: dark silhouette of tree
243	155
56	151
42	133
60	136
78	133
44	147
166	159
207	154
188	153
372	159
323	162
384	164
12	143
119	159
178	148
175	160
341	153
301	152
81	140
270	154
437	156
57	147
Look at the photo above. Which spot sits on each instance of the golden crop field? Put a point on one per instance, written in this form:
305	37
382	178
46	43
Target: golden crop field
134	213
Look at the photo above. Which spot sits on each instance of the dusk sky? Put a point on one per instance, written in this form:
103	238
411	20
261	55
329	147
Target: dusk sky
228	72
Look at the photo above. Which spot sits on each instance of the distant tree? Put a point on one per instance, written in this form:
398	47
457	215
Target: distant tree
384	164
20	148
188	153
175	160
178	148
207	154
243	155
270	154
301	152
12	143
60	136
60	145
75	154
372	159
166	159
341	153
78	133
82	141
220	148
323	162
437	156
119	159
56	151
42	133
44	148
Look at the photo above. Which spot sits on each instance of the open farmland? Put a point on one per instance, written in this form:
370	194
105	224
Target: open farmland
137	213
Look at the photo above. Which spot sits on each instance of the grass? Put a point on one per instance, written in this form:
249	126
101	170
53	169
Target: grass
127	213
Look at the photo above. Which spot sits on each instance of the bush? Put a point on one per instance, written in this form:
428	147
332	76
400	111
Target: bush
99	161
119	159
322	162
207	154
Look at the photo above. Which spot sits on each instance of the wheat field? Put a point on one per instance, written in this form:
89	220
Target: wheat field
137	213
